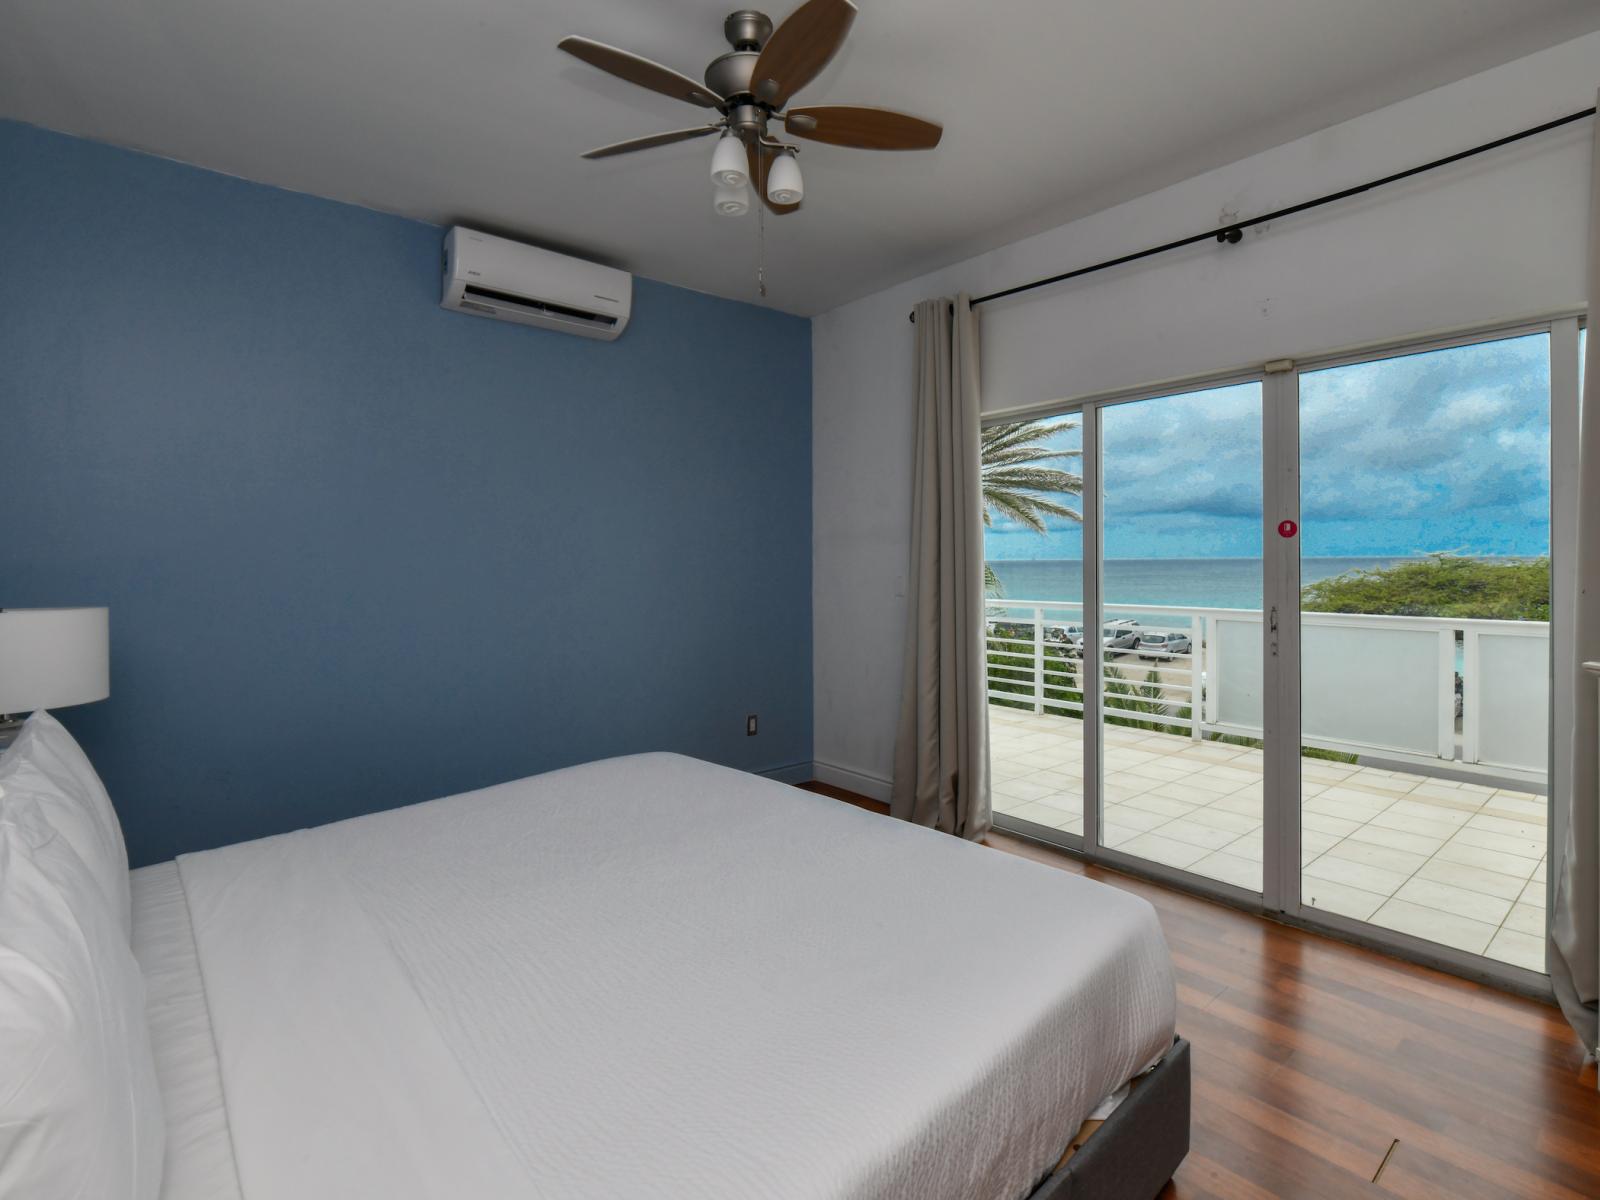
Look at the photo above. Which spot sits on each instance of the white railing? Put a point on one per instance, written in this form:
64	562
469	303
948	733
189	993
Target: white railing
1413	689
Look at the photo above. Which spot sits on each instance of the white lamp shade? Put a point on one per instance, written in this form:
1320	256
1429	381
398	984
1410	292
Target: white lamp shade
783	181
731	201
53	657
728	166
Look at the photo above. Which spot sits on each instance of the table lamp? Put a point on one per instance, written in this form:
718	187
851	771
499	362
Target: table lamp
51	658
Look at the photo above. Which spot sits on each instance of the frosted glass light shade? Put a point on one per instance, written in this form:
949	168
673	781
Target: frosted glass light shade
53	657
731	201
728	165
784	185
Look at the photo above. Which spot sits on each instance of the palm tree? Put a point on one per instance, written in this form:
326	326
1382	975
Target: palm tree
1017	485
1146	697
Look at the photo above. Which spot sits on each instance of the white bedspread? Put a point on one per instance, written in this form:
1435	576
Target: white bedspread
653	976
199	1162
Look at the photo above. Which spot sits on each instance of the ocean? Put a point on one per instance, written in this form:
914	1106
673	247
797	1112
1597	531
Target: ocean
1190	582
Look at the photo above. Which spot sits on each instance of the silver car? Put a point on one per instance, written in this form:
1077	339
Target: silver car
1155	645
1121	635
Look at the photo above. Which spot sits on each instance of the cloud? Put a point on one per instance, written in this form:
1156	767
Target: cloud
1448	449
1458	436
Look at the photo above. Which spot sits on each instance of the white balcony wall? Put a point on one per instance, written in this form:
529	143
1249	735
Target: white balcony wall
1368	685
1380	687
1508	700
1487	241
1234	675
1388	688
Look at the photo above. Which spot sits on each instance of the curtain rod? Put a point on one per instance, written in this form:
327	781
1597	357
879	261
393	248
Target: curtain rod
1233	232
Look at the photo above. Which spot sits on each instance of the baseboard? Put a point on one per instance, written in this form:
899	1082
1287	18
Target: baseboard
873	786
800	772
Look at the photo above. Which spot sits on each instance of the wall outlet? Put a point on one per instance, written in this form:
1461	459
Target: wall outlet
750	725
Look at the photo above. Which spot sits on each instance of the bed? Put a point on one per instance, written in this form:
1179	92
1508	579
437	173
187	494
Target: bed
653	976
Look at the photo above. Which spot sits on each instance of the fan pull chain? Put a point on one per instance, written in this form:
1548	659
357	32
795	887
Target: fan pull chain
761	226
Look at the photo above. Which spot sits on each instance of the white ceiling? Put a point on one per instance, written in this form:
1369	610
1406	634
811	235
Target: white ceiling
464	111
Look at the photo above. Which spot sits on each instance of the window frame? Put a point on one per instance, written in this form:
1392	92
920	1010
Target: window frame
1281	451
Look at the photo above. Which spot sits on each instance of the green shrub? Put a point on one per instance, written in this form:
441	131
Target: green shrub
1440	586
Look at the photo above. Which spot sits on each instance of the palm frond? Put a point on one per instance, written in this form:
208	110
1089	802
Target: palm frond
1024	454
1141	705
1034	479
1012	500
1051	508
1018	507
1016	433
1015	484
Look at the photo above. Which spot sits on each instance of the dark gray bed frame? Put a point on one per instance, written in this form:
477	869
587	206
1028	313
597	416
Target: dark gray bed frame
1133	1154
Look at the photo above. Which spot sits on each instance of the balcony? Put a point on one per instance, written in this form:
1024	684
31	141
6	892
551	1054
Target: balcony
1422	808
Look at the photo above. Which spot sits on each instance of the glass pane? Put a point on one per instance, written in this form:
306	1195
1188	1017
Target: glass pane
1033	541
1425	569
1181	628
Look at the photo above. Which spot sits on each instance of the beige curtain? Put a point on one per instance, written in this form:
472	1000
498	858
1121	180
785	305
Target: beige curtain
1575	920
941	760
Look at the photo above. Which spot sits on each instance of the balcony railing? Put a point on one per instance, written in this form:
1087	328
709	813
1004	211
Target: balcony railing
1413	690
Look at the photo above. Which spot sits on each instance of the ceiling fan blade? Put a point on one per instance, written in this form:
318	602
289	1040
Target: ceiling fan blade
799	48
655	139
863	128
760	165
640	71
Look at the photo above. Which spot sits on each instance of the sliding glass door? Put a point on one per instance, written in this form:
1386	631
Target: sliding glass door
1424	639
1125	677
1033	519
1291	638
1180	585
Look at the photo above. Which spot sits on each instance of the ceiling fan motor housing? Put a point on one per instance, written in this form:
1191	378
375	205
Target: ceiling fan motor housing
747	29
730	74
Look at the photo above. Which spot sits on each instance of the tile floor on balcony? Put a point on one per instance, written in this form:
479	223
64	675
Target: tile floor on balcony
1460	864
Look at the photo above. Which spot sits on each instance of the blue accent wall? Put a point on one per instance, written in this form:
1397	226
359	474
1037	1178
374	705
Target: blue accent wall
360	551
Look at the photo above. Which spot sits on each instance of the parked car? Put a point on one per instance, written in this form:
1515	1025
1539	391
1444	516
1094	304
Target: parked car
1121	635
1156	645
1070	636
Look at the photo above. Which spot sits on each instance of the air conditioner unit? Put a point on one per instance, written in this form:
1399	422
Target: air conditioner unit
489	276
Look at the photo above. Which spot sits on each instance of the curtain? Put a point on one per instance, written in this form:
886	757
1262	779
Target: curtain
1575	921
941	761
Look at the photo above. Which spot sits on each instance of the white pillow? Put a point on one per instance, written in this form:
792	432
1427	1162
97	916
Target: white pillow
80	1106
45	763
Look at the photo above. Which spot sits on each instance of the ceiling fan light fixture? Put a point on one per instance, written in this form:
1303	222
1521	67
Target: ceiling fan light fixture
728	163
731	201
784	185
749	87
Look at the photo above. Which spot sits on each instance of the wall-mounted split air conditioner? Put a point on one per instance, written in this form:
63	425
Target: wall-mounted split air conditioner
488	276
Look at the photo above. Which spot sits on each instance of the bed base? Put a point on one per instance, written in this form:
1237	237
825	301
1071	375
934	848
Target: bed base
1138	1148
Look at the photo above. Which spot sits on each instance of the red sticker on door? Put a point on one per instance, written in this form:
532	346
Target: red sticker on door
1287	529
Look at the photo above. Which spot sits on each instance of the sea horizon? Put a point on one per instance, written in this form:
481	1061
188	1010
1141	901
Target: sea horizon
1183	582
1256	559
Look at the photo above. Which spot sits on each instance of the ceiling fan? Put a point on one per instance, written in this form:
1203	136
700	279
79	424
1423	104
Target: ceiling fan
750	86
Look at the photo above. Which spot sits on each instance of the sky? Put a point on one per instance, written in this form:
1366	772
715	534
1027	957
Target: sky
1442	452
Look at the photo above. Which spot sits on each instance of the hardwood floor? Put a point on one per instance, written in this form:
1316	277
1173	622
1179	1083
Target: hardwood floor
1319	1066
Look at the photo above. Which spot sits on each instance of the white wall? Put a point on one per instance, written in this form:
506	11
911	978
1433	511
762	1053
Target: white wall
1487	241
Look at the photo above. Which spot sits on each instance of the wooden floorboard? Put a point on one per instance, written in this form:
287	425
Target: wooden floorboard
1317	1062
